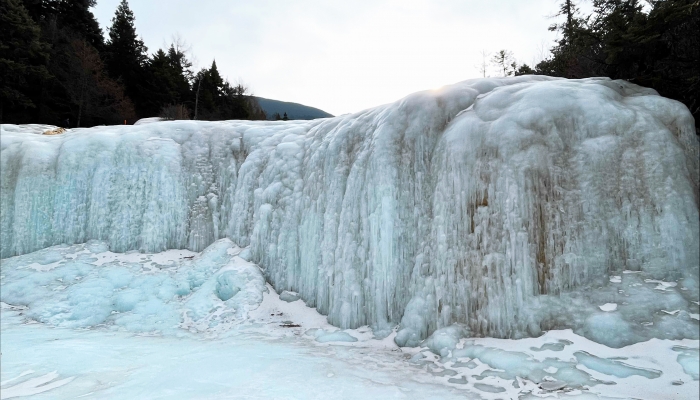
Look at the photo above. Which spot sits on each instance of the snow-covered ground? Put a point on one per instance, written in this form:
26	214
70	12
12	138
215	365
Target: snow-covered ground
82	322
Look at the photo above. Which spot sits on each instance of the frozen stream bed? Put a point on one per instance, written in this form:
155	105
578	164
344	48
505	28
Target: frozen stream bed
81	321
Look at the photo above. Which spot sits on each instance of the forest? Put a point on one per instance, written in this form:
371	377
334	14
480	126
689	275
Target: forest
58	68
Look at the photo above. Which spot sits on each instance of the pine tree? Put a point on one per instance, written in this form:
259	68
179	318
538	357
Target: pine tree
182	73
23	59
575	53
72	15
126	55
524	70
209	92
504	61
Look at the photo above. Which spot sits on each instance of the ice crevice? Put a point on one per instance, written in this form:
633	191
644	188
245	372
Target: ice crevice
493	204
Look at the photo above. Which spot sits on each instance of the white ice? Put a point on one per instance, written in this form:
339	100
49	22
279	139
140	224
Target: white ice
609	307
501	205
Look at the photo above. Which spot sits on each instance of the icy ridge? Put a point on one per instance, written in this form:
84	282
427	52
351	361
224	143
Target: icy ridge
466	204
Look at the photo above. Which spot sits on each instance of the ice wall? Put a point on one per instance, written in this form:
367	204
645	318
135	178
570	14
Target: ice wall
466	204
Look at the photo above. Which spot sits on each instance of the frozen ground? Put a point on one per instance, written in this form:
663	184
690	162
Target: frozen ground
80	321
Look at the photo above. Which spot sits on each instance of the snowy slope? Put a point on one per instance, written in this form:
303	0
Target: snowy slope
477	204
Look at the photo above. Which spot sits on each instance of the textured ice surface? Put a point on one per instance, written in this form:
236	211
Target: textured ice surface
89	286
503	205
689	358
180	324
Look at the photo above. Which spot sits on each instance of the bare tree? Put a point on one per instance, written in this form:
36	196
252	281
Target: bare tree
541	52
200	77
483	65
174	112
88	86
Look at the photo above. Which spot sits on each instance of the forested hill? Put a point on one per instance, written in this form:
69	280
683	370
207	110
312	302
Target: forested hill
274	108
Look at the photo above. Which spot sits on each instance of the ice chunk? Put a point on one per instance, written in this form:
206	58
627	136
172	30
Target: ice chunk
444	340
289	296
613	367
689	359
227	285
610	328
323	336
661	285
607	307
558	346
552	385
489	388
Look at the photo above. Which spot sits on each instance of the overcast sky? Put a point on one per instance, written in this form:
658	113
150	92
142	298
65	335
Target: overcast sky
343	56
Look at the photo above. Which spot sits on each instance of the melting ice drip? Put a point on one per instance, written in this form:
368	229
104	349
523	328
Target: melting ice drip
462	205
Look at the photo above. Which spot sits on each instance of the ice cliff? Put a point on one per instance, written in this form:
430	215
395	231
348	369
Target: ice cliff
488	203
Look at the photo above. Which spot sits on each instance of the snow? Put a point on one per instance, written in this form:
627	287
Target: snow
151	120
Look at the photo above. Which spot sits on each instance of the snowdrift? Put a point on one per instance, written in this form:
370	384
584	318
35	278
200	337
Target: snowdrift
494	204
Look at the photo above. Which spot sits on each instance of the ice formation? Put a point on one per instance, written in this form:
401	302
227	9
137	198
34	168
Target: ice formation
492	204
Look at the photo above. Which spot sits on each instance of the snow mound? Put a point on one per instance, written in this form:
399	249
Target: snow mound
503	205
150	120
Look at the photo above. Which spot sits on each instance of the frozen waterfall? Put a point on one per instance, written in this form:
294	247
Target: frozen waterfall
482	203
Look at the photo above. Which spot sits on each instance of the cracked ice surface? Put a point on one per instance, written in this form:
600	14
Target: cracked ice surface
477	204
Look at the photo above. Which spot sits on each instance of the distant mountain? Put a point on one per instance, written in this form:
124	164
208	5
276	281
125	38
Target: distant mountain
293	110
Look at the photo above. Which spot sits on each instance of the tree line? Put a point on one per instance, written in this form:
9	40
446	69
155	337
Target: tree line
57	68
655	43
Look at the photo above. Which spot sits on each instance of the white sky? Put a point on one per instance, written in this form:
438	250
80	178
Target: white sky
347	55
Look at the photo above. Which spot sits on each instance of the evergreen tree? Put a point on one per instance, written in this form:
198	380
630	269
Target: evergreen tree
169	83
210	87
504	61
71	15
62	22
217	99
182	73
659	48
524	70
23	59
126	55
